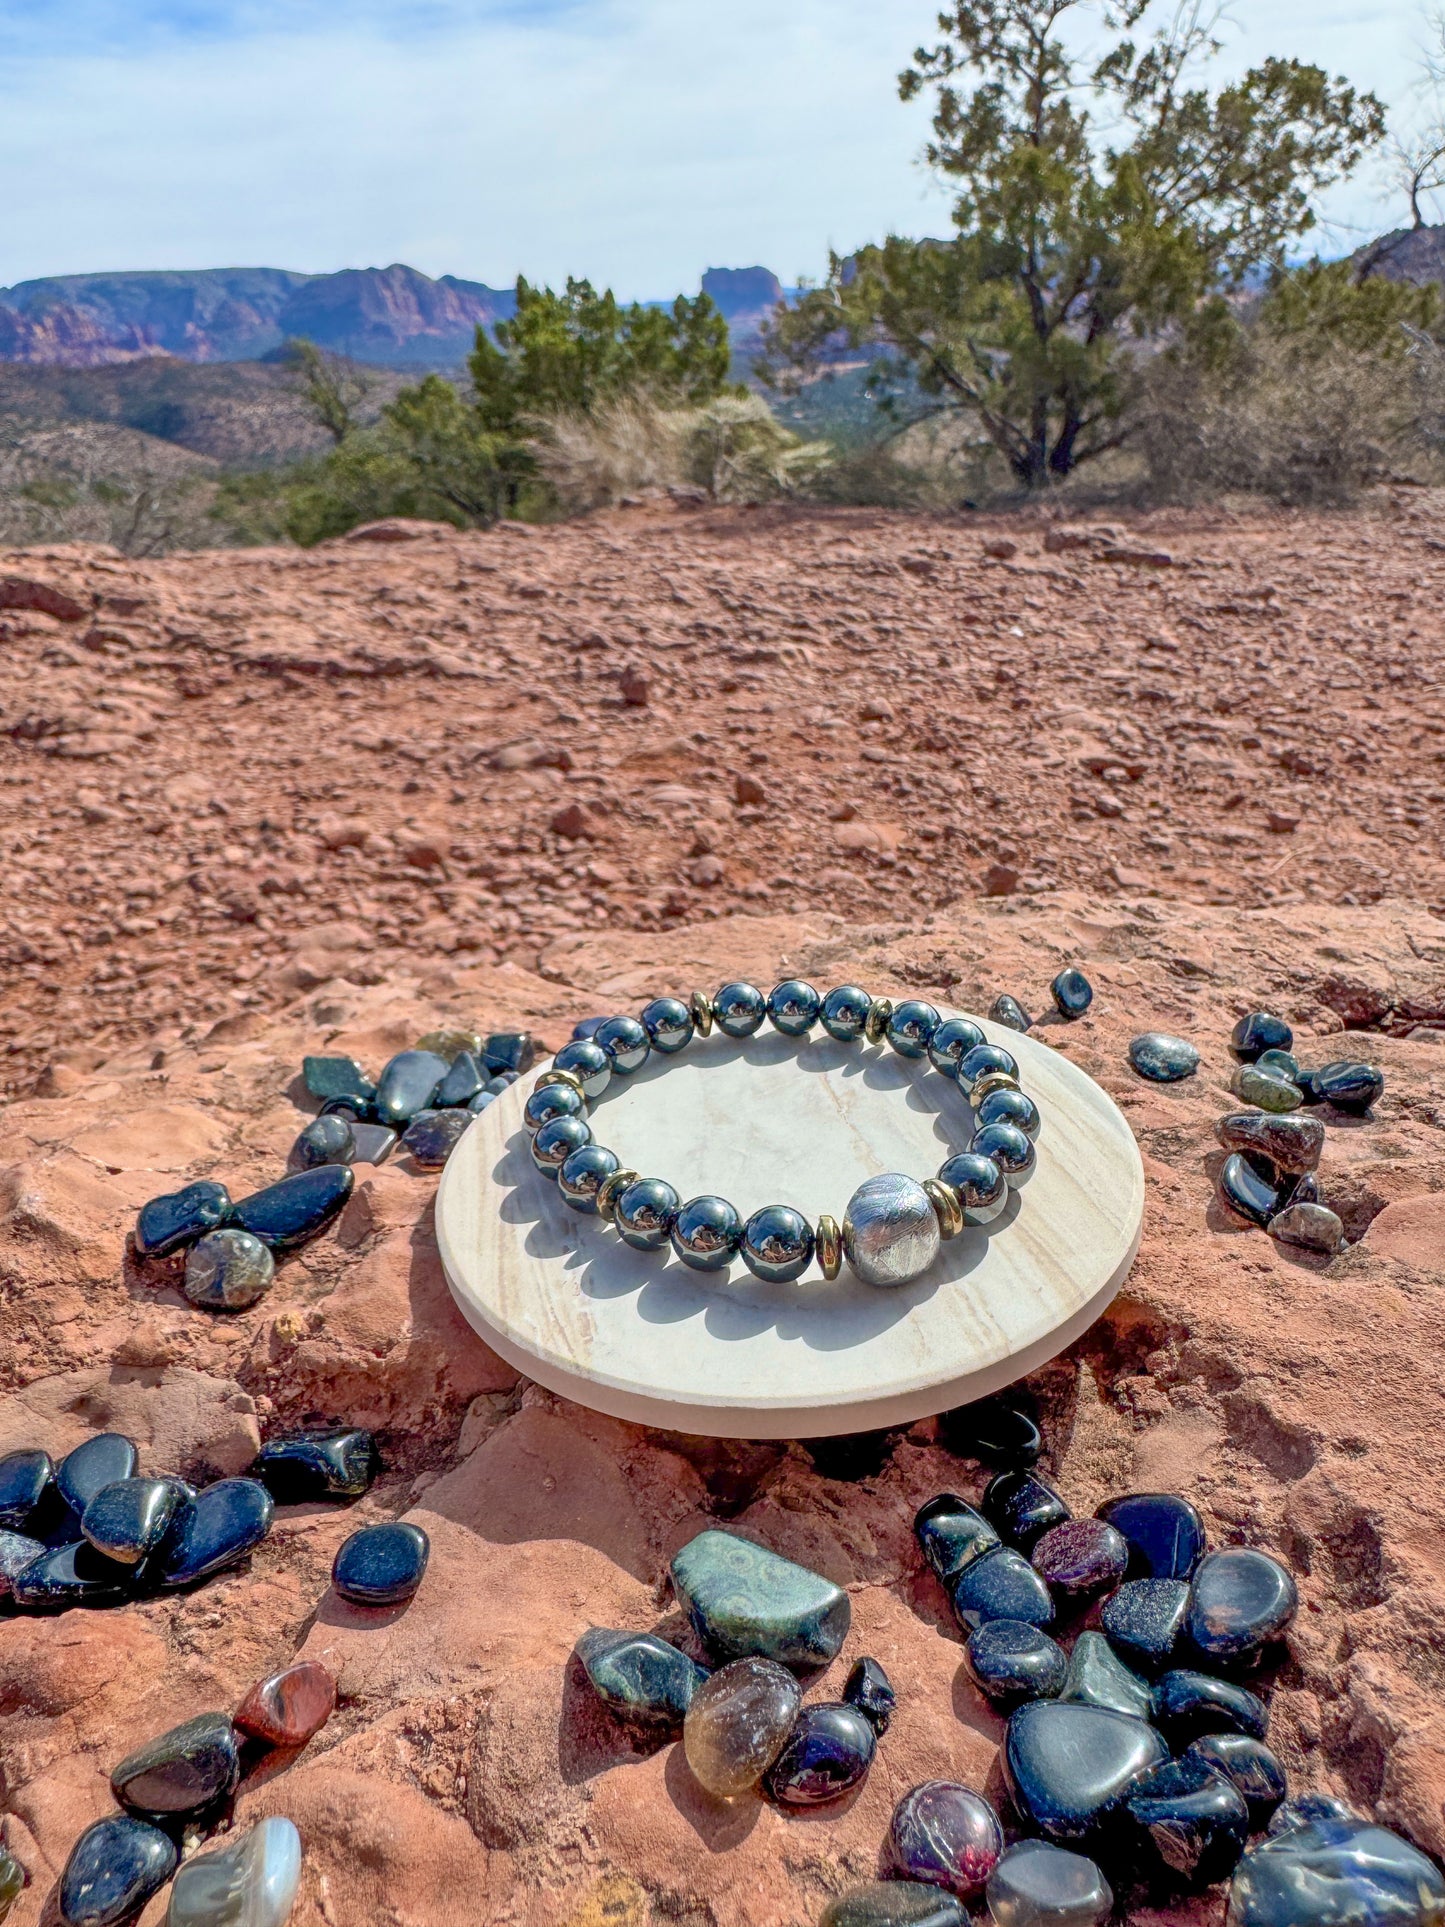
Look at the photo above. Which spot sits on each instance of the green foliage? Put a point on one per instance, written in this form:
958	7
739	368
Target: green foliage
1326	305
1069	244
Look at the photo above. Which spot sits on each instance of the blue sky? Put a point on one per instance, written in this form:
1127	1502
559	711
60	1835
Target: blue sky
636	141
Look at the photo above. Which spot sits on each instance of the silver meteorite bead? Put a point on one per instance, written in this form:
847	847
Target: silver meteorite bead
890	1231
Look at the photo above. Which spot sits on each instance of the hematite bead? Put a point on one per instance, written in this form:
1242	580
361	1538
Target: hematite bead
551	1101
890	1230
668	1022
793	1007
879	1011
777	1244
580	1175
706	1233
739	1009
1010	1107
951	1042
982	1059
555	1143
588	1063
1072	992
981	1186
1010	1150
644	1214
626	1044
911	1028
845	1011
985	1086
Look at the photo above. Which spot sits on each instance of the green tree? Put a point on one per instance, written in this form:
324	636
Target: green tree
1095	203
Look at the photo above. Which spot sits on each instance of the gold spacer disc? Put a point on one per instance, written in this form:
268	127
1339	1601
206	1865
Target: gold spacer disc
990	1082
829	1247
702	1013
610	1190
876	1022
947	1206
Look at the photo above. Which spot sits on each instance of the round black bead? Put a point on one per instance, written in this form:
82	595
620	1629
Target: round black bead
626	1042
911	1028
954	1038
581	1175
645	1214
668	1022
555	1143
793	1007
845	1012
777	1244
706	1233
739	1009
588	1063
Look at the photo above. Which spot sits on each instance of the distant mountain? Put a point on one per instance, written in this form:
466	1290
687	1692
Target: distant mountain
1409	254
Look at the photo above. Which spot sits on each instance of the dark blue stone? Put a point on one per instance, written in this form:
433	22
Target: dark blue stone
1012	1662
1010	1149
432	1136
1257	1032
408	1084
551	1101
1197	1820
844	1012
588	1063
461	1083
325	1140
167	1223
1240	1601
214	1530
338	1077
1069	1767
1009	1012
128	1520
1001	1585
827	1754
95	1463
1072	992
996	1430
777	1244
71	1575
17	1551
25	1479
1097	1677
739	1009
911	1027
187	1770
1161	1058
706	1233
289	1213
114	1868
509	1050
339	1462
645	1213
1142	1621
1335	1872
895	1903
626	1043
1308	1809
1349	1087
381	1565
1165	1533
952	1534
556	1141
1188	1704
793	1007
1021	1508
869	1688
582	1175
1249	1766
639	1677
951	1043
1246	1193
1011	1107
587	1027
668	1023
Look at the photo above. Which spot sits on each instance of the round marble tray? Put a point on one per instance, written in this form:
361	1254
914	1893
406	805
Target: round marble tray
768	1121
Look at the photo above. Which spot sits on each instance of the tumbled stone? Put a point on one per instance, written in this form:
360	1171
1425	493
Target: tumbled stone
827	1753
946	1835
374	1143
513	1050
1038	1885
1290	1143
1257	1032
1068	1765
432	1136
381	1565
71	1575
1072	993
1161	1058
744	1600
248	1882
448	1041
639	1677
1312	1227
127	1520
1098	1677
96	1462
1001	1585
325	1140
1247	1194
894	1903
738	1724
1081	1557
289	1213
189	1768
1306	1808
1188	1704
462	1082
215	1530
1300	1190
1241	1599
178	1218
952	1535
337	1077
17	1551
1012	1662
114	1868
1269	1092
1143	1619
995	1430
228	1270
1347	1086
1197	1820
869	1688
288	1708
1250	1768
1282	1062
408	1084
1164	1533
1022	1509
1009	1012
25	1479
332	1462
1339	1872
12	1881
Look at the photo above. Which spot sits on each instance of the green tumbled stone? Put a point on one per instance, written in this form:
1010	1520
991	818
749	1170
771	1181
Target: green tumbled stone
337	1077
12	1881
743	1599
1268	1091
1281	1062
895	1903
639	1677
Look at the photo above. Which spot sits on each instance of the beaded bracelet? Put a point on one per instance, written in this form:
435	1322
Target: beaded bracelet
892	1227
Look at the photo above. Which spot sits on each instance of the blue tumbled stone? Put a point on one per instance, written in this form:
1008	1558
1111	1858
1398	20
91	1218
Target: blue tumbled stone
1009	1012
1161	1058
432	1136
1165	1533
289	1213
1098	1677
1069	1767
1072	992
114	1868
1247	1194
25	1479
1196	1819
71	1575
1142	1621
509	1050
1012	1662
381	1565
1188	1705
1001	1585
639	1677
952	1535
1250	1768
178	1218
869	1688
335	1462
461	1083
998	1431
1022	1508
214	1530
1257	1032
827	1754
128	1520
1348	1087
17	1551
1336	1873
746	1601
1240	1601
337	1077
408	1084
95	1463
186	1770
330	1139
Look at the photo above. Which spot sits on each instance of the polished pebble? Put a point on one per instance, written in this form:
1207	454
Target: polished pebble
1039	1885
1241	1599
228	1270
640	1678
1305	1809
189	1768
1257	1032
1068	1766
894	1903
743	1599
952	1534
1010	1149
1164	1533
951	1042
337	1077
1001	1585
509	1050
12	1881
706	1233
1009	1012
1349	1087
178	1218
374	1143
1081	1557
1072	992
408	1084
466	1077
1336	1873
668	1023
997	1431
96	1462
945	1835
330	1139
432	1136
114	1868
738	1724
869	1688
17	1551
1161	1058
26	1477
911	1027
645	1213
127	1520
1282	1062
738	1009
291	1212
1304	1189
1290	1143
1247	1194
250	1881
588	1063
555	1142
215	1530
71	1575
793	1007
777	1244
1143	1619
1311	1227
1188	1704
1250	1768
1196	1819
981	1186
381	1565
1021	1508
288	1708
1098	1677
1012	1662
448	1041
626	1043
1270	1093
827	1753
334	1462
583	1173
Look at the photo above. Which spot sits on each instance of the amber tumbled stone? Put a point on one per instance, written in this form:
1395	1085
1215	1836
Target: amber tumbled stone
738	1724
290	1706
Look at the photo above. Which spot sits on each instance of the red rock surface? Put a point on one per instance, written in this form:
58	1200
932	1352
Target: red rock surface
270	885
